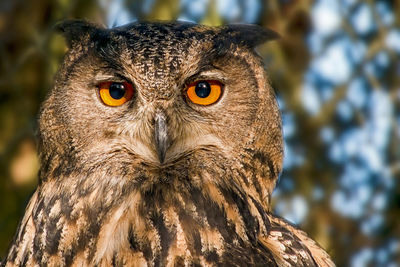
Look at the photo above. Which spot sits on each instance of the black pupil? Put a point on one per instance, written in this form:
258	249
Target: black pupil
203	89
117	90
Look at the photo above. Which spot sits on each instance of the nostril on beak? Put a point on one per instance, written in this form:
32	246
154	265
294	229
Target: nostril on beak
161	135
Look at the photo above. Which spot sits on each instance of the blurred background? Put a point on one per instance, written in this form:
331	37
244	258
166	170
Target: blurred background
336	72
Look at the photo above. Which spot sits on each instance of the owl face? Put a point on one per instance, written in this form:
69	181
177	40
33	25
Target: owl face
162	95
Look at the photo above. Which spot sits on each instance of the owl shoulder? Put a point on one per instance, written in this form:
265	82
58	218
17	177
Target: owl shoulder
291	246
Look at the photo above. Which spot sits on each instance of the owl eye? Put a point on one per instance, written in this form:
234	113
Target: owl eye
204	92
114	93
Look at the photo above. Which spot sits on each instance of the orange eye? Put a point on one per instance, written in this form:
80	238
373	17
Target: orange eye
115	94
204	92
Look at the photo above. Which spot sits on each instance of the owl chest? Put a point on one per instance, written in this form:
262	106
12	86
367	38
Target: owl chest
138	232
162	224
169	239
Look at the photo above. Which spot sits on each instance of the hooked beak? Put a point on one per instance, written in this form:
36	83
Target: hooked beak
161	135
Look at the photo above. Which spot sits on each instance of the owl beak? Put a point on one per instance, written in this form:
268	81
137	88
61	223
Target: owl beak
161	135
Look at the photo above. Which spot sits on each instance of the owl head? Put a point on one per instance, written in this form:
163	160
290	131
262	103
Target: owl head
163	103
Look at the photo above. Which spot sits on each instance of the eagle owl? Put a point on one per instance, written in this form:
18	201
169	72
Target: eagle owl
160	145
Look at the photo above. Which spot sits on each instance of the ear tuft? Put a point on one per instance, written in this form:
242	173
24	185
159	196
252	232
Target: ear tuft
249	35
75	30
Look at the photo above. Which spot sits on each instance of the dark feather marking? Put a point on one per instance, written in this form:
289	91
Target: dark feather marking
69	255
66	208
145	248
95	217
262	213
142	245
165	234
39	206
189	224
114	260
132	240
244	178
196	242
212	256
13	252
296	246
45	166
109	51
239	199
179	261
264	250
66	167
39	224
77	246
250	168
259	155
272	169
215	216
53	235
37	244
264	159
25	258
247	256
